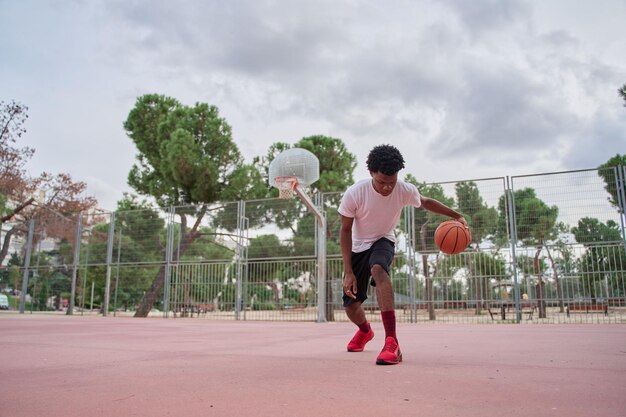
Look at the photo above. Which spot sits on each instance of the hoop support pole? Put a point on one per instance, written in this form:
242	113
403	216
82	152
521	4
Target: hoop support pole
321	253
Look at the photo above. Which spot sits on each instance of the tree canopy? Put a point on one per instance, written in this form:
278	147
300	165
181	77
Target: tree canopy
592	231
611	181
481	218
535	220
604	257
426	221
186	155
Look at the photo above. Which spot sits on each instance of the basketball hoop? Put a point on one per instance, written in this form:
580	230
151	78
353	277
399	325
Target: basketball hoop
286	184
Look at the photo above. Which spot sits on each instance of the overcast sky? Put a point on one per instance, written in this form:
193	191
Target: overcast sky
466	89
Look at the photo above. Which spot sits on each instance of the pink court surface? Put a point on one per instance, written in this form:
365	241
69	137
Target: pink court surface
94	366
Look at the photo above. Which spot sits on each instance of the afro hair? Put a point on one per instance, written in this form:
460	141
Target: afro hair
386	159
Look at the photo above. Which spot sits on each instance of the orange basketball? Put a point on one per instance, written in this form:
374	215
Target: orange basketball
452	237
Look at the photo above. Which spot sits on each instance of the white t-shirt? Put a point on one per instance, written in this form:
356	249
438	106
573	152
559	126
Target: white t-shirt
375	216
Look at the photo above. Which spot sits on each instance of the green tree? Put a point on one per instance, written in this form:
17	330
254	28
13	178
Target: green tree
622	92
38	283
426	223
304	239
10	275
486	265
262	268
612	183
139	239
140	223
558	265
59	287
186	157
482	220
59	261
535	223
205	246
336	163
604	258
591	231
526	266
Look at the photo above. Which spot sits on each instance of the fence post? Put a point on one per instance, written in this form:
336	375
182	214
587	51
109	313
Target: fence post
409	230
169	250
321	268
117	271
240	251
29	244
36	276
107	283
513	237
621	198
79	232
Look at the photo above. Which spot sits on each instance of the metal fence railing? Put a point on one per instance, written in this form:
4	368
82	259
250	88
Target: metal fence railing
546	248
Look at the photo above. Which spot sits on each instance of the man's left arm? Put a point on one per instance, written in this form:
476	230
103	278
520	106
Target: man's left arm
438	207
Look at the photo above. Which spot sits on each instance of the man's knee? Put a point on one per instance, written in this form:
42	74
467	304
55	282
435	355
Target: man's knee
378	273
353	307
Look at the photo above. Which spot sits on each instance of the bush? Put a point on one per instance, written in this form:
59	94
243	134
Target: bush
263	306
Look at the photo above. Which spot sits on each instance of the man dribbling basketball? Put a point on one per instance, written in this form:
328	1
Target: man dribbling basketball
370	210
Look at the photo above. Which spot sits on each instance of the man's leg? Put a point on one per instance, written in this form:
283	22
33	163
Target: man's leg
384	293
384	289
354	308
356	314
390	355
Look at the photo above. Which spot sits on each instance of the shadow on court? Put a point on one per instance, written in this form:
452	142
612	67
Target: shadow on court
76	366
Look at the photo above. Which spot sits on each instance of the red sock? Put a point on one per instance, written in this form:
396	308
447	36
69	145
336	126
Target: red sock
365	327
389	322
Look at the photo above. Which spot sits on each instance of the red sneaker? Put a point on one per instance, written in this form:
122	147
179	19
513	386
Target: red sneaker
360	339
390	355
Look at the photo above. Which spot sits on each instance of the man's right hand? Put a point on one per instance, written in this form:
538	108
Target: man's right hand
349	284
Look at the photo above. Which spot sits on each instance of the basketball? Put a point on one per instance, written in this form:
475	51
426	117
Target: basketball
452	237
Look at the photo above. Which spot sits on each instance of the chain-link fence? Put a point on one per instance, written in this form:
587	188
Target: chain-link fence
545	248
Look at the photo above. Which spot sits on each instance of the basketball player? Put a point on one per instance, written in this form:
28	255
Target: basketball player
370	210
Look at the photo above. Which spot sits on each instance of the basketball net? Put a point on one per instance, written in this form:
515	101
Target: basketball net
286	186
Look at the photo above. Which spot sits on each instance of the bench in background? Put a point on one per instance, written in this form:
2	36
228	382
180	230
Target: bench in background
587	308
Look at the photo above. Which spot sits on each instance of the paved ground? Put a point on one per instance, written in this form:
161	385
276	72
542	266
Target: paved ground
93	366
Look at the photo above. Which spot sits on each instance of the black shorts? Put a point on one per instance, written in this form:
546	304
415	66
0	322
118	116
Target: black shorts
381	253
